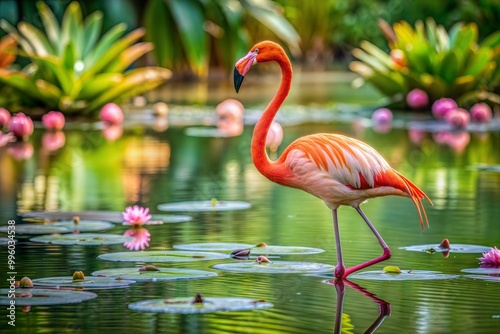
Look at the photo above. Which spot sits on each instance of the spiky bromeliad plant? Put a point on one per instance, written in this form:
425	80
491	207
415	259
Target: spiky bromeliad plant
71	68
443	64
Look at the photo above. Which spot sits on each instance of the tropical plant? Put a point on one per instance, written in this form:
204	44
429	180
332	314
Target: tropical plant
193	34
443	64
73	70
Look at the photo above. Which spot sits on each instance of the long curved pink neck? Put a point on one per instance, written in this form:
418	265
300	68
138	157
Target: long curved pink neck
259	154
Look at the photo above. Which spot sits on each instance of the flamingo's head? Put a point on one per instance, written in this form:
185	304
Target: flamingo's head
260	52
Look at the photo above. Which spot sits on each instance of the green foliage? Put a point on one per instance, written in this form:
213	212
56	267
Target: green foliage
444	64
193	34
72	68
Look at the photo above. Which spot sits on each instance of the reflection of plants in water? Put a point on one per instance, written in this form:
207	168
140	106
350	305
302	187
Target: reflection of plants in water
141	237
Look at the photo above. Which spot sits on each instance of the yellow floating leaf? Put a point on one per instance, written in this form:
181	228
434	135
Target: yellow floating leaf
392	270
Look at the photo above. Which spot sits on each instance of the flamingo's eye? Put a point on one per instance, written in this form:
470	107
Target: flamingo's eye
256	50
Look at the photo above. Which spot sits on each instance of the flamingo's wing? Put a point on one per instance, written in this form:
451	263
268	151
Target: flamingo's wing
356	165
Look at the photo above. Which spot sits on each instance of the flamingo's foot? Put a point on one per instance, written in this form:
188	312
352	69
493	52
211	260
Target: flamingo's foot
339	272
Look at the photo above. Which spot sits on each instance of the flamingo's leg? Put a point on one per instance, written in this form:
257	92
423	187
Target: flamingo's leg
385	256
339	269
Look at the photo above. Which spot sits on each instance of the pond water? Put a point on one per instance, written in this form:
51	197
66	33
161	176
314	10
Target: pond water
150	167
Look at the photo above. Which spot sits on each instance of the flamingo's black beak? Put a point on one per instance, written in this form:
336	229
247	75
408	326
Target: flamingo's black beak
238	79
242	67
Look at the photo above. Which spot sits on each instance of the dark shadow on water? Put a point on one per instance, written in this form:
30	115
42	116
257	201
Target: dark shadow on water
384	307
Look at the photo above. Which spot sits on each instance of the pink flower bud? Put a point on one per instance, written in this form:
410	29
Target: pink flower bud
481	113
21	126
442	106
417	99
457	118
112	113
4	117
53	120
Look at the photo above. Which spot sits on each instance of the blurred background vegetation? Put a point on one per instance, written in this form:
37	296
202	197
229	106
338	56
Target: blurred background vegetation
195	38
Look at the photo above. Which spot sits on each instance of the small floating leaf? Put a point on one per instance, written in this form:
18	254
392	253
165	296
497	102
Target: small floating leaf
198	299
161	256
108	216
83	239
148	268
87	284
483	270
404	275
261	248
37	229
201	206
162	274
25	282
78	276
38	296
485	277
207	132
275	267
392	269
185	305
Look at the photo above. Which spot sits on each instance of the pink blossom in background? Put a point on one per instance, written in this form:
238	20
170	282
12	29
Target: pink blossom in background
481	113
458	118
112	113
442	106
21	126
53	120
53	140
4	117
417	99
491	258
382	115
136	215
141	238
230	117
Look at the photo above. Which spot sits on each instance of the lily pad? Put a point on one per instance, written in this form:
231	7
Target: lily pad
405	275
204	206
87	284
277	250
161	256
482	271
454	248
31	229
111	216
36	296
167	219
207	132
486	168
161	274
85	225
83	239
185	305
485	277
275	267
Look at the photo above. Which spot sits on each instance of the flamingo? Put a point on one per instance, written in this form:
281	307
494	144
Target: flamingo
337	169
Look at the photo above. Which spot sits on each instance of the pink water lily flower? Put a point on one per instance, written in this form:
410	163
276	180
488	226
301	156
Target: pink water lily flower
491	258
442	106
21	126
136	215
53	120
417	99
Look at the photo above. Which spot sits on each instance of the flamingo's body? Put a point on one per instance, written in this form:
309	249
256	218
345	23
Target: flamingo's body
337	169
